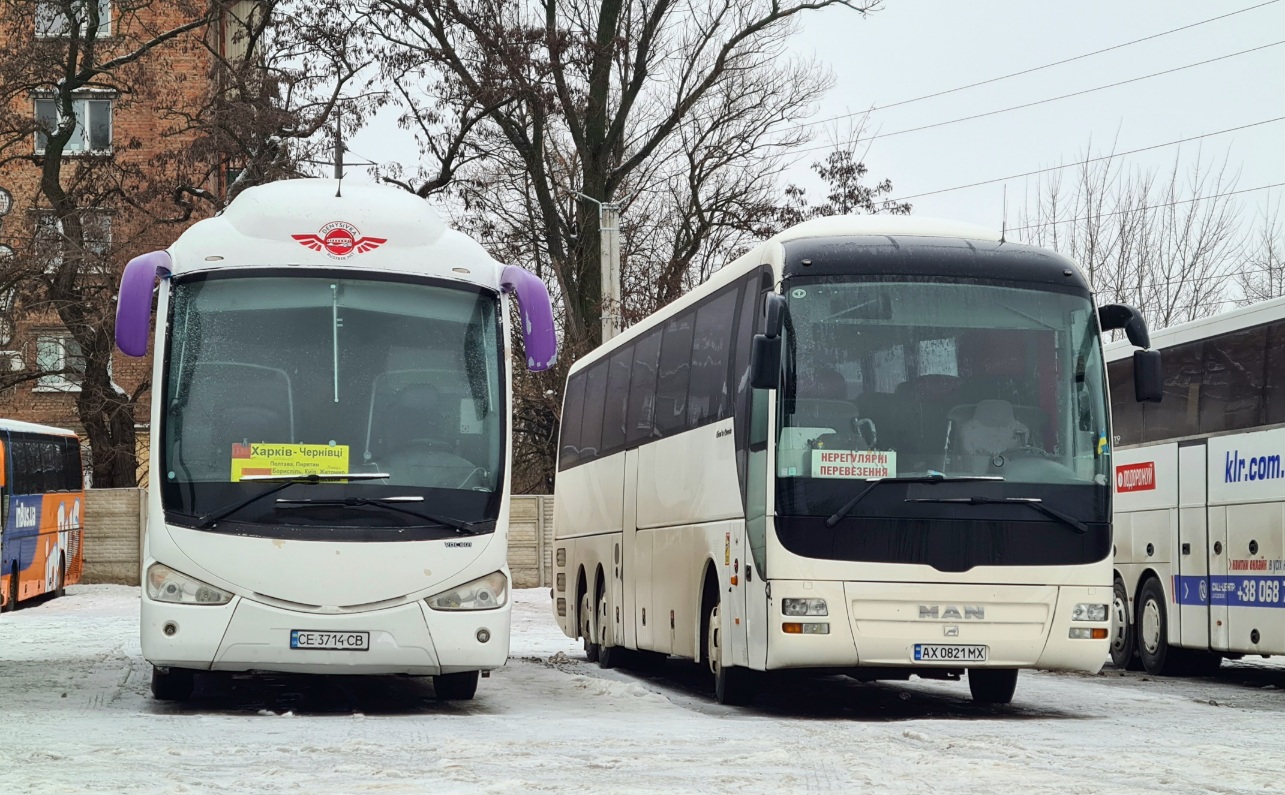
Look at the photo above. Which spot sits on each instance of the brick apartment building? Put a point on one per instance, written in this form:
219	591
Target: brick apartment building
129	127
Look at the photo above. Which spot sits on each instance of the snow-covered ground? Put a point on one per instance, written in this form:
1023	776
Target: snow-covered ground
75	716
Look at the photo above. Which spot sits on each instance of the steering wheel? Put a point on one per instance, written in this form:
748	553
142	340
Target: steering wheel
434	443
1025	450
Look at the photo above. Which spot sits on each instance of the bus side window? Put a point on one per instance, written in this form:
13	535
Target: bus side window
595	396
1232	394
674	372
569	424
640	418
1126	413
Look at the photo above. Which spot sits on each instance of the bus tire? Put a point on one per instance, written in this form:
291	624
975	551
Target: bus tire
61	588
460	686
609	655
732	684
172	684
992	685
11	603
1124	641
586	628
1152	627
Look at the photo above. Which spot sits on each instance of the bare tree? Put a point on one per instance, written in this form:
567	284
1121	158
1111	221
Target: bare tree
277	85
1263	274
1167	244
530	113
77	64
147	115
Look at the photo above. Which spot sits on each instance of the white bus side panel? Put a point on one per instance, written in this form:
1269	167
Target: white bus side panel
591	498
1146	520
688	508
1193	540
1247	580
689	478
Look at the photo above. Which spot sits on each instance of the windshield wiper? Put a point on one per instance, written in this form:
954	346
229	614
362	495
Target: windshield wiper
935	477
283	481
458	525
1033	502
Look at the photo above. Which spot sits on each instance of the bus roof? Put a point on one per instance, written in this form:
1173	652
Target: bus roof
1212	326
316	223
30	427
834	226
890	225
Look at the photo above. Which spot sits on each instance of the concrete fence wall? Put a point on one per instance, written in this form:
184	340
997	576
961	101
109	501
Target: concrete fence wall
114	525
113	535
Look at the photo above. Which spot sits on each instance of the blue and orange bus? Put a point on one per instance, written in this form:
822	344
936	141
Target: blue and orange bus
42	507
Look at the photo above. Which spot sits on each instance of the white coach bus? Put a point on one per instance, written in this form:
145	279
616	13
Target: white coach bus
328	482
871	445
1200	488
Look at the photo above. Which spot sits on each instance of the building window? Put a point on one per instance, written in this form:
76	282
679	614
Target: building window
58	355
93	131
52	20
52	242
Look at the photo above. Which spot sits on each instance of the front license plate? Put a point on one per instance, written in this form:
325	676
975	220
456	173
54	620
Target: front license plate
332	641
940	652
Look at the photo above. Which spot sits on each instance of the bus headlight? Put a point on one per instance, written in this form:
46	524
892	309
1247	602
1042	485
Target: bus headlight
804	607
484	593
167	585
1087	612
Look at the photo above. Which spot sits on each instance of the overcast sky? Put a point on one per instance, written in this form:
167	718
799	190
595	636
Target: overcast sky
914	48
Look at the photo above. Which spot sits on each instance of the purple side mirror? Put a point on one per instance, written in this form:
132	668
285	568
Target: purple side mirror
134	301
536	310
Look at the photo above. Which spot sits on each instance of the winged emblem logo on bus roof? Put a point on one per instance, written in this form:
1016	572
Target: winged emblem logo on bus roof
340	240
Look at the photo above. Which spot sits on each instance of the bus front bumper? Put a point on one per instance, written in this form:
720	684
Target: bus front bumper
246	635
888	625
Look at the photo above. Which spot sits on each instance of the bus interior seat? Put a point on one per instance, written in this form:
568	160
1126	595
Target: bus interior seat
985	429
923	404
233	403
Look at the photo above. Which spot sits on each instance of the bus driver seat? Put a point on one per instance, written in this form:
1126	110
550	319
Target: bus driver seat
991	430
418	443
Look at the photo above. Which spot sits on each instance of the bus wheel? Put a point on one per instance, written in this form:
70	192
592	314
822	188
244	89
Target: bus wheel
586	628
609	656
992	685
61	588
12	603
460	686
1124	642
172	684
732	684
1152	627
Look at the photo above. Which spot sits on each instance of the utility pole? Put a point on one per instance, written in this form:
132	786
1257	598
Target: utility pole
609	257
339	144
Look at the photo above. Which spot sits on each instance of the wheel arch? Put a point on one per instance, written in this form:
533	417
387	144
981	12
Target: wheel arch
708	585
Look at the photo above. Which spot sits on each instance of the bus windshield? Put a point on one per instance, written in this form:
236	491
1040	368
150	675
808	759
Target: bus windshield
933	378
275	376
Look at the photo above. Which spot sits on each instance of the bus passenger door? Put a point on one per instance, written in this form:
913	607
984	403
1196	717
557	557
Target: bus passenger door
1191	590
626	579
757	526
636	558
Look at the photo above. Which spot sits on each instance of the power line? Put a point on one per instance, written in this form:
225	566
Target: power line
1150	207
1086	162
1052	99
1036	68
